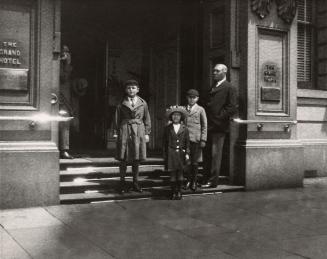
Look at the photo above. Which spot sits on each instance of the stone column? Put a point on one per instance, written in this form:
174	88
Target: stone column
268	154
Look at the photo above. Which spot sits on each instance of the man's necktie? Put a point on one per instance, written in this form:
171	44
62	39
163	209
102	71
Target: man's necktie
132	100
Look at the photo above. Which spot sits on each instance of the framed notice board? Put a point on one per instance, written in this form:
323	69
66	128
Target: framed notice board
17	54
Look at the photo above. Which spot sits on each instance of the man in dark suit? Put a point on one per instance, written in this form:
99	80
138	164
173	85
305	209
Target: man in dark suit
221	105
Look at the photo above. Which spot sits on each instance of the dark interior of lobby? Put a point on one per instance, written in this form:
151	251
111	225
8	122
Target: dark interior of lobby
111	41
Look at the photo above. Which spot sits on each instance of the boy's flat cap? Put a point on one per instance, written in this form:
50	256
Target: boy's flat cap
193	92
131	82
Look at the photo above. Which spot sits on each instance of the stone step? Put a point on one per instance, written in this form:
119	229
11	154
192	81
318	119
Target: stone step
92	179
109	184
161	192
102	162
106	172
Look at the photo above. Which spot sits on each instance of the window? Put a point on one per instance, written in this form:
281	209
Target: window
305	43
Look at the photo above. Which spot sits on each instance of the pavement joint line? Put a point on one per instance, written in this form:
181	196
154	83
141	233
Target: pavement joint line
18	243
82	234
293	253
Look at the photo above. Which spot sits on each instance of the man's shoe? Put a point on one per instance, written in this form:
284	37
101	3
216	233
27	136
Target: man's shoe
65	155
137	188
209	185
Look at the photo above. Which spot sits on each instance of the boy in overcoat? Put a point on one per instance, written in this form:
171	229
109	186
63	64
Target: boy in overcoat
196	122
132	126
176	148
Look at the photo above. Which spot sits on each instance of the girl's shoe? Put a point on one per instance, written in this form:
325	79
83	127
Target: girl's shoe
178	195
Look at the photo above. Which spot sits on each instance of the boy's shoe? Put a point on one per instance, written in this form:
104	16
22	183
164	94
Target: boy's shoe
123	188
137	188
173	196
194	186
187	185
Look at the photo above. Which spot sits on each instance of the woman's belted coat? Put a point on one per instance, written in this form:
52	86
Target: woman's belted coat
131	124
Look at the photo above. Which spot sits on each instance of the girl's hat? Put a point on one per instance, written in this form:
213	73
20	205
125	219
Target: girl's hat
176	108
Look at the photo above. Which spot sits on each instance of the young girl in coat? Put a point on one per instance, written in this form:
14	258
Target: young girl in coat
176	145
132	126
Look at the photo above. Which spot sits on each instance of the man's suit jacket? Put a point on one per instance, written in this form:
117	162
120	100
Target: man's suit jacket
196	122
221	105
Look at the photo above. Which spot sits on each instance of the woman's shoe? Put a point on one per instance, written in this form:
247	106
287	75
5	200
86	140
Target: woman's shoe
178	195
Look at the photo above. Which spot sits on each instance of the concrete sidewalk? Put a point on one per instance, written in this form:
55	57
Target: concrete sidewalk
289	223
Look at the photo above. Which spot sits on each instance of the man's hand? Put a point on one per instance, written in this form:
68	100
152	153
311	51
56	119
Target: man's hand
202	144
187	157
115	136
147	138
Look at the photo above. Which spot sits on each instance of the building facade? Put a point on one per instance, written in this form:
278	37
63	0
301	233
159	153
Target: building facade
275	52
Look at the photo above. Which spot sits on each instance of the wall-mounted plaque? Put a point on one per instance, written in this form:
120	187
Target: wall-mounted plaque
17	54
270	74
270	94
13	79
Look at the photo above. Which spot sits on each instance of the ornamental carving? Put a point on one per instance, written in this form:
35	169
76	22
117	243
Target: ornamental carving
286	9
261	7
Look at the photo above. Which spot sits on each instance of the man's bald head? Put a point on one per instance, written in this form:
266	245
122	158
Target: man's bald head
219	72
221	67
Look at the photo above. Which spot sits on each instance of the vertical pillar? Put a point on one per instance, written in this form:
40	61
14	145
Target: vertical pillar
268	153
29	162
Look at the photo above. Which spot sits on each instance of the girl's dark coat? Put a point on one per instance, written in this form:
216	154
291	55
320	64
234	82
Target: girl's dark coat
175	147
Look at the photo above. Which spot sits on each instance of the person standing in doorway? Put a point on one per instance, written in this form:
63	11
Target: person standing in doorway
65	102
221	105
132	126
